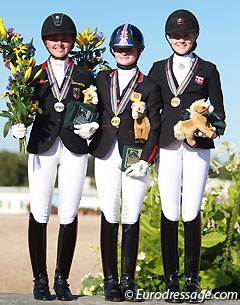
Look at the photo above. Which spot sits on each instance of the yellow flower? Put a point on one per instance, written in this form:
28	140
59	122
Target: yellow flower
85	37
27	73
34	106
28	62
7	94
100	42
15	36
3	31
20	49
12	68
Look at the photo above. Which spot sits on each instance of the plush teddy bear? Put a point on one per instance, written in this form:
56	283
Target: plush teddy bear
141	122
196	125
90	95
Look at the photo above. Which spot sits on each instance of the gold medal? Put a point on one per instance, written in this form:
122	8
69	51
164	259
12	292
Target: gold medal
115	121
175	101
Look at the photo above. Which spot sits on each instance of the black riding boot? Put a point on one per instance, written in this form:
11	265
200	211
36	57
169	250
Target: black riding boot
192	238
66	245
169	245
109	241
129	252
37	240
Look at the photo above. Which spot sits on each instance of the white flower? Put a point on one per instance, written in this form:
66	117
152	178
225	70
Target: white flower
138	268
141	256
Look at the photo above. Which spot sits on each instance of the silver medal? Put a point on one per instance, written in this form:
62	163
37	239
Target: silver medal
175	101
59	106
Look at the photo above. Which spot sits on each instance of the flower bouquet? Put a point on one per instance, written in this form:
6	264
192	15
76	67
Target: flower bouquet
90	56
19	59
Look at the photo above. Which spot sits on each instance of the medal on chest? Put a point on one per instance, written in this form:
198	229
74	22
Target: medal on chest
176	101
115	121
57	93
59	106
118	107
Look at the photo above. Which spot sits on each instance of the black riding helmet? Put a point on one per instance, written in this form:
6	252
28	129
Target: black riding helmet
126	36
58	23
182	21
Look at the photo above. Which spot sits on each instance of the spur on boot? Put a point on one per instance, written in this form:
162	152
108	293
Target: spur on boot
111	290
192	291
173	294
41	288
61	288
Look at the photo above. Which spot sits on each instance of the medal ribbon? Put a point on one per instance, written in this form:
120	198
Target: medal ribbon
186	81
59	95
118	108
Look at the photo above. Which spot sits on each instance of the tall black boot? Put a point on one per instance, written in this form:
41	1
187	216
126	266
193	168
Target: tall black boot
169	245
37	242
109	241
192	239
66	245
129	252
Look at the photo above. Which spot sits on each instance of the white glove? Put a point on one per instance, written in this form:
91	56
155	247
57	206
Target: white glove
138	169
19	131
85	131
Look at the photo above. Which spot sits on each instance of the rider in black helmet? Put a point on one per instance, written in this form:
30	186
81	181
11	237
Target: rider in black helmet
119	90
58	24
182	21
182	169
55	151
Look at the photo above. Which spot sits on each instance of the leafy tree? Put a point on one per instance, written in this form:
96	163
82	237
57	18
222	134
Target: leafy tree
13	171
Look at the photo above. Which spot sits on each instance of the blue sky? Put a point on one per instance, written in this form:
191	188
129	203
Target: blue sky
218	40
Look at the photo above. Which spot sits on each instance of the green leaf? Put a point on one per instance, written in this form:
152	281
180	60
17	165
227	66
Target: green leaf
6	128
213	238
214	278
6	114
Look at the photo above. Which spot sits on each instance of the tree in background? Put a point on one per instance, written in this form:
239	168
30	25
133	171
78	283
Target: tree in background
13	171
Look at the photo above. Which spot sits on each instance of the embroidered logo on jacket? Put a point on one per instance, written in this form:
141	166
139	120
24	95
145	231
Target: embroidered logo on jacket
76	93
199	80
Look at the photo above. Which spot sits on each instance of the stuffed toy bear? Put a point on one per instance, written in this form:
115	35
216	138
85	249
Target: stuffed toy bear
141	122
90	95
196	125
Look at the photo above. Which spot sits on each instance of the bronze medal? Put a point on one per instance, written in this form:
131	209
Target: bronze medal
59	106
115	121
175	101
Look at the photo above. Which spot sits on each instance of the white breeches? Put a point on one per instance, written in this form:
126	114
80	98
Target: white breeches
42	172
113	184
182	175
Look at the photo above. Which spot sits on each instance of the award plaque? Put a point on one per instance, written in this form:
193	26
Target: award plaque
78	113
131	155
